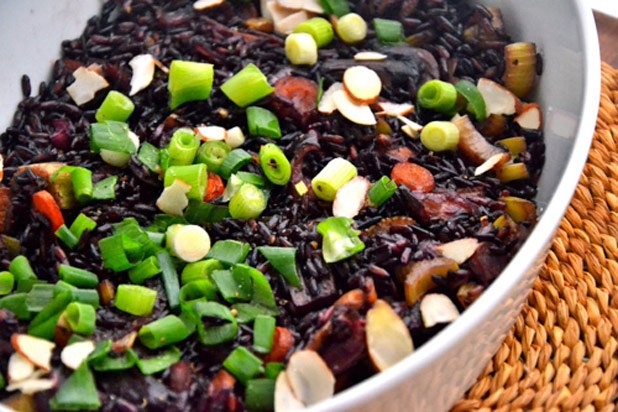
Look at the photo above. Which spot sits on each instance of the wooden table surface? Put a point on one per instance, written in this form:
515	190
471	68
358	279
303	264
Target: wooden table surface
608	37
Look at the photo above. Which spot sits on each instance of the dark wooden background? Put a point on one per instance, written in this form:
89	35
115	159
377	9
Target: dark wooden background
608	37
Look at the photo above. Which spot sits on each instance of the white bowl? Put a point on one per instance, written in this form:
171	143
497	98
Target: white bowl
435	376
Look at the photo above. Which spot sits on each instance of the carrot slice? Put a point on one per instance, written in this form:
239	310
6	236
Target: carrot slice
283	341
44	203
215	187
413	176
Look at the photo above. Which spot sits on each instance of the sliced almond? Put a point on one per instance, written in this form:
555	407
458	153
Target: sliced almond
369	56
530	117
36	350
143	66
124	343
74	354
285	400
327	104
362	83
438	308
313	6
493	161
309	377
350	198
498	99
354	112
388	337
395	109
173	199
234	137
459	250
19	368
291	4
410	127
207	4
32	385
210	133
1	168
285	20
87	83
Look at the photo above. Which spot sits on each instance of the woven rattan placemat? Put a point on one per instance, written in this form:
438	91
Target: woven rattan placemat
562	352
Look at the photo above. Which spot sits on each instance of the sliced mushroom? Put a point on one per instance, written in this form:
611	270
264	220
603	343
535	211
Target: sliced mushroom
309	377
437	308
388	338
459	250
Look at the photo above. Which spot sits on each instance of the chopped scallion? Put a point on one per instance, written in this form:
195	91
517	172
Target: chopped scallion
243	364
163	332
273	369
120	252
334	175
283	259
215	323
116	106
437	95
39	296
81	318
248	203
253	178
335	7
440	136
381	191
212	154
301	49
16	303
247	86
149	155
388	31
263	333
475	102
82	184
194	175
233	162
351	28
203	289
111	135
81	224
263	122
169	277
80	278
199	270
233	286
24	275
200	213
319	28
183	147
78	392
262	293
189	81
7	282
275	165
229	252
105	189
260	395
158	363
145	270
340	240
135	300
67	237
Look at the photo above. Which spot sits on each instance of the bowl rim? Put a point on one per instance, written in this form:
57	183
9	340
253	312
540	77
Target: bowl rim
541	236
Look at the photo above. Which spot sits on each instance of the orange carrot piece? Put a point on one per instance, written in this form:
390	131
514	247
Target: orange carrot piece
215	187
413	176
44	203
283	341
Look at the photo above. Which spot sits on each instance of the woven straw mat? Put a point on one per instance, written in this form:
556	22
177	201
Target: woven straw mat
562	352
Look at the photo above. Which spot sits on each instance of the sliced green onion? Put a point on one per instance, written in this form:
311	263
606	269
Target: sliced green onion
81	318
440	136
163	332
243	364
16	303
82	184
11	244
273	369
233	184
437	95
336	7
116	106
190	243
162	222
145	270
156	364
67	237
78	392
120	252
199	270
150	156
44	323
203	289
262	293
334	175
130	228
229	252
319	28
247	312
62	286
212	154
24	275
340	240
233	162
233	286
189	81
81	224
388	31
135	300
164	159
200	213
283	259
263	122
101	349
39	296
275	165
253	178
301	49
194	175
351	28
2	382
183	147
105	189
80	278
87	296
111	363
381	191
260	395
7	282
111	135
216	324
169	277
156	237
476	103
248	203
247	86
263	333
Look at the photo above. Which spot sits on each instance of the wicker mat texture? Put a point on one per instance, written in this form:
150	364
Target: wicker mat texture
562	352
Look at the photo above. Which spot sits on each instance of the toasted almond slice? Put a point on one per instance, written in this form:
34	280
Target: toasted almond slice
32	386
19	368
285	400
369	56
291	4
459	250
234	137
437	308
87	83
313	6
409	127
289	23
350	197
388	338
354	112
124	343
530	117
209	133
1	168
309	377
207	4
498	158
74	354
143	66
36	350
498	99
362	83
395	109
327	104
173	199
